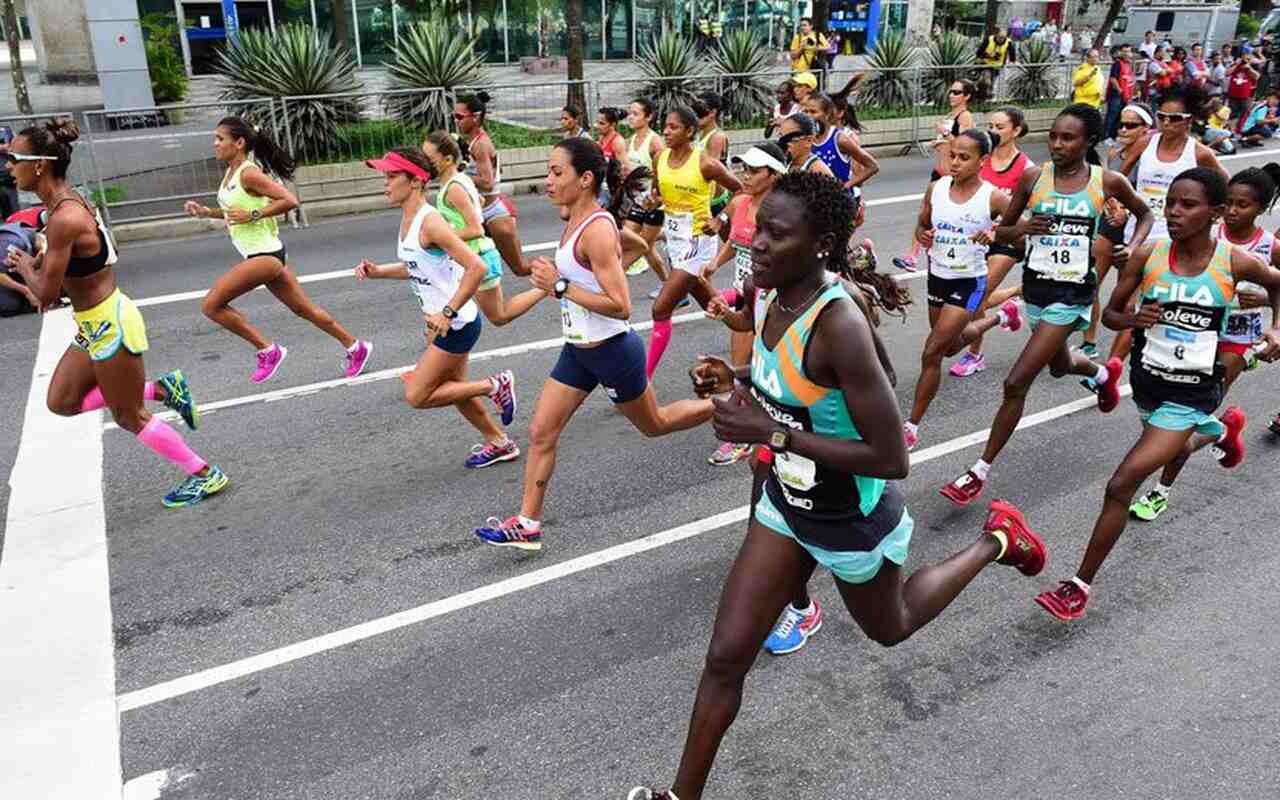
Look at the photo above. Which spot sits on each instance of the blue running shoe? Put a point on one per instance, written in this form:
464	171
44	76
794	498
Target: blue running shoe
196	488
504	395
177	396
483	455
794	629
510	533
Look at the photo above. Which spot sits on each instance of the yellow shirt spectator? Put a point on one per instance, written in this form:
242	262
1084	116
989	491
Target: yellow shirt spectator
1089	85
1218	119
805	46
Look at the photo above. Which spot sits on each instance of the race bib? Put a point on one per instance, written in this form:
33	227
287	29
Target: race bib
1245	326
1063	255
1169	348
1154	196
952	251
741	266
679	229
795	472
573	320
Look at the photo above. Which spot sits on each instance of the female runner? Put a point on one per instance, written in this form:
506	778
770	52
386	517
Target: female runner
1186	290
499	212
1250	194
955	224
249	200
795	137
1002	169
103	366
819	399
600	347
643	215
1060	278
445	274
685	178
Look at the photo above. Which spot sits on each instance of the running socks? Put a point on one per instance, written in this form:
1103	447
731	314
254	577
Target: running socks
982	469
657	345
1084	587
169	445
1102	376
1163	490
94	399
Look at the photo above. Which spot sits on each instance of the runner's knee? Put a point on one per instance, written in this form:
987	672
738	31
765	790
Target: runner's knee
62	404
543	435
1015	388
728	661
129	418
1124	483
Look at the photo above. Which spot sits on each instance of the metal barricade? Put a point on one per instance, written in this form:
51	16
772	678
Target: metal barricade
534	106
148	161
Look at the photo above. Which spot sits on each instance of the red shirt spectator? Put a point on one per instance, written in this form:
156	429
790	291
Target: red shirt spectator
1241	81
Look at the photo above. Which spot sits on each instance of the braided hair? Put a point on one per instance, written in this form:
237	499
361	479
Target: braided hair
1264	181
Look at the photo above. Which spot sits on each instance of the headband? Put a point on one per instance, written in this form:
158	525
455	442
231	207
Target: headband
1141	112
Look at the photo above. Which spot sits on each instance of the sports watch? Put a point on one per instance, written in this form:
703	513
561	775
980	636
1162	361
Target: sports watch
448	313
561	286
780	440
255	214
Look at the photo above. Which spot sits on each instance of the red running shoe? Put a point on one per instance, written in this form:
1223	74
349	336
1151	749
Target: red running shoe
963	490
1274	427
1067	602
1025	550
1230	448
1109	392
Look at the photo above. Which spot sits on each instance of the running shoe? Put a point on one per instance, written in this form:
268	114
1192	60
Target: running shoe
969	364
729	453
863	256
1025	550
1229	450
1274	427
964	490
503	395
1067	602
269	361
645	793
195	488
356	359
1109	392
1012	314
794	629
1149	507
510	533
1090	385
1089	350
911	438
487	454
638	266
905	263
177	396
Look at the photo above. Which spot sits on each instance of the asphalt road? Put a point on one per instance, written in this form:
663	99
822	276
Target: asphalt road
347	507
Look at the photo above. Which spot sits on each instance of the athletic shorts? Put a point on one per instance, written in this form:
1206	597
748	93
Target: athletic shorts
1017	252
1239	348
617	363
1060	314
1177	417
493	269
850	566
1113	233
967	293
459	341
499	207
641	216
280	255
104	328
697	257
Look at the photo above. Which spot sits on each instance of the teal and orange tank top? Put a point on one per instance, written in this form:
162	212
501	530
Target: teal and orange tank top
1060	266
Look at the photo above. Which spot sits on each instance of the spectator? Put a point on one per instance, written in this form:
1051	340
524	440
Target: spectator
1121	84
1066	43
8	186
805	46
1177	66
1086	39
1242	79
1197	68
805	84
1217	135
1148	46
571	123
1216	82
995	51
1159	78
1262	123
1087	82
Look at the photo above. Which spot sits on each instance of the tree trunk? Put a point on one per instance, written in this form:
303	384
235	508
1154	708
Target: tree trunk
992	17
15	57
1104	29
576	96
342	32
821	14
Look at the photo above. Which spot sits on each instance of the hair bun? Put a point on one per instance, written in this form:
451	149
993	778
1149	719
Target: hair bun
483	96
64	131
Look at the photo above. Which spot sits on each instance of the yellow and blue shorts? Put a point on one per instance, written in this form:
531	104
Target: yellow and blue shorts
493	269
116	321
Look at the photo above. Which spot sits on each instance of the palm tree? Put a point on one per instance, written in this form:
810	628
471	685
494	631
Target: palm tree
573	22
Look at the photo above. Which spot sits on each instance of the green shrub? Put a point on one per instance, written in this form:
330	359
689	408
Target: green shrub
1035	77
672	71
744	57
951	58
430	54
169	80
890	83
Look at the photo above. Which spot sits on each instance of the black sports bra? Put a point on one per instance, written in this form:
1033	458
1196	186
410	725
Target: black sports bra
84	266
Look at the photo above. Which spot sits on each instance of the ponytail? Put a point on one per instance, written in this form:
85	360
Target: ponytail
266	153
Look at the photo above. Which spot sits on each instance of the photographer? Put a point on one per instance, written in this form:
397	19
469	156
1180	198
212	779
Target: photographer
805	46
1242	80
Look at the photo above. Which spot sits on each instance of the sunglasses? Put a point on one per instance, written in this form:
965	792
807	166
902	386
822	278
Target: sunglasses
1128	126
787	138
1166	116
461	117
956	91
13	158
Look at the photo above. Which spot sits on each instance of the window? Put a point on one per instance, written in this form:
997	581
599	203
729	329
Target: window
1164	22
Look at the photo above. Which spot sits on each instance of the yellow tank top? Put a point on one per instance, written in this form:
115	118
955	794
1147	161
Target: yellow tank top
684	191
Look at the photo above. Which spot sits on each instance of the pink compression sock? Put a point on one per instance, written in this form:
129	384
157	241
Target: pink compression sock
94	399
657	345
169	445
730	296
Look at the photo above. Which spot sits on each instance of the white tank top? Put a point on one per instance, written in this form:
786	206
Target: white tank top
954	254
641	156
432	274
1245	326
1154	178
582	325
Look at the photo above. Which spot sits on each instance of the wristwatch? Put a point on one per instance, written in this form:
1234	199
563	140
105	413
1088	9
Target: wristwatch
255	214
561	286
780	440
448	313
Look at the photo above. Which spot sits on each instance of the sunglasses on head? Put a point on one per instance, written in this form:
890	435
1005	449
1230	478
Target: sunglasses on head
1172	116
13	158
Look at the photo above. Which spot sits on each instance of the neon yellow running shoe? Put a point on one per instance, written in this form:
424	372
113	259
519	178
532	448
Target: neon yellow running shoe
195	488
638	266
1149	507
177	396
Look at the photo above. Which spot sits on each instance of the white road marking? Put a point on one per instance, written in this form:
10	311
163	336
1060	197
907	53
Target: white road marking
152	785
59	725
273	658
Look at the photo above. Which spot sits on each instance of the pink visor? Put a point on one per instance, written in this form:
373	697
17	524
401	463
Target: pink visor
394	162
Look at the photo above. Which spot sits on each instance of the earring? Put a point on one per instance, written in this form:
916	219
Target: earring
822	256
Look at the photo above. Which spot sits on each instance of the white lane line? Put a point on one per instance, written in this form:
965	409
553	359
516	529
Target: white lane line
365	630
58	718
394	372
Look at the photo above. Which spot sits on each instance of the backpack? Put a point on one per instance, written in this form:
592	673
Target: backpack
13	303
